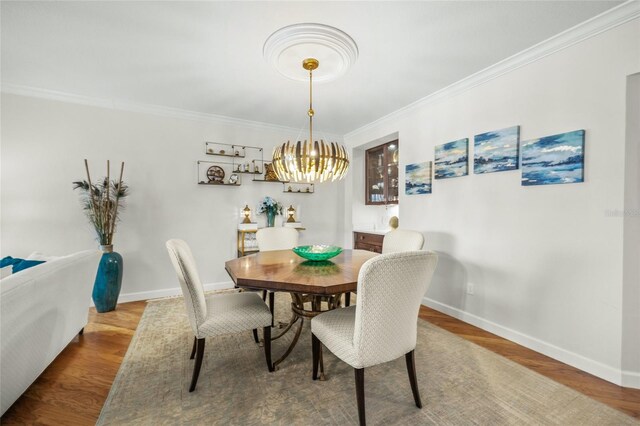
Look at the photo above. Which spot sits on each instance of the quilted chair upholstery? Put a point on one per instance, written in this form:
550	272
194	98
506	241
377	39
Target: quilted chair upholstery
216	314
270	239
397	241
402	240
383	325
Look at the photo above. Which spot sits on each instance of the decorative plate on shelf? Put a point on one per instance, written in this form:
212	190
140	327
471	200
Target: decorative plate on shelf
215	174
317	251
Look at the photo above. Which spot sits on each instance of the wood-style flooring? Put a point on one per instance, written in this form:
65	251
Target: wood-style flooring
72	390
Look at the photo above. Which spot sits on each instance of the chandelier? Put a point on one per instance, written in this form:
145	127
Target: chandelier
310	161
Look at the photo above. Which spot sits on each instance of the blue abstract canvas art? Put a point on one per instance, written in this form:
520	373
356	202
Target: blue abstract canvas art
452	159
496	151
553	159
418	178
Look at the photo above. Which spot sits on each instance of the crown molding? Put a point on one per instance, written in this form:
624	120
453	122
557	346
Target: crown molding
607	20
34	92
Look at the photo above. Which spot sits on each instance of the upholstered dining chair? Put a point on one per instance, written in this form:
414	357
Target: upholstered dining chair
396	241
383	325
216	314
270	239
402	240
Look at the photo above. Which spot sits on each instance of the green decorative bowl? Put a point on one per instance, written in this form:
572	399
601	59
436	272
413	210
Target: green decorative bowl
317	252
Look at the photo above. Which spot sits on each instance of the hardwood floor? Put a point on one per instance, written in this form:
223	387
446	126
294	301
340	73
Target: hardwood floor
73	388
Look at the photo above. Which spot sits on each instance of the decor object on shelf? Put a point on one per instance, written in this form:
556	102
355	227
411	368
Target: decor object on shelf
215	174
553	159
317	251
247	214
269	172
452	159
224	149
310	161
291	211
393	222
233	179
271	208
418	178
496	151
100	202
298	188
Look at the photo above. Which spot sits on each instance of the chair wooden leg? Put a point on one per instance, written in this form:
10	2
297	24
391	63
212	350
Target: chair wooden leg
272	307
267	347
193	350
315	349
411	369
255	335
264	295
360	395
347	299
81	332
196	367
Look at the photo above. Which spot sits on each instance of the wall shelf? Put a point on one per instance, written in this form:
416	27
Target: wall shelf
216	173
224	149
298	188
218	184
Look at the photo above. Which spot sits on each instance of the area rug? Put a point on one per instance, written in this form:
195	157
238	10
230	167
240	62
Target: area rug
460	382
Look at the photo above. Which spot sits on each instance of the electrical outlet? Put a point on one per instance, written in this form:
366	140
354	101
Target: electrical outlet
470	288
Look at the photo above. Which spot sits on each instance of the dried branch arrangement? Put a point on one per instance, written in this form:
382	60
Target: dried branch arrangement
100	202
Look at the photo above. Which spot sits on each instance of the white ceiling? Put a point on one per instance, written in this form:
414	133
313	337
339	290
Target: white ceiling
207	56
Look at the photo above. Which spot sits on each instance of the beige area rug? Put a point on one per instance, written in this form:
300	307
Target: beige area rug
460	382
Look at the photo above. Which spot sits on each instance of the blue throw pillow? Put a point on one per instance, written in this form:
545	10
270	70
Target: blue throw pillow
19	264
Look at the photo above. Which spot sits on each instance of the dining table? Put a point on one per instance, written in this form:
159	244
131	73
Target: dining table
314	286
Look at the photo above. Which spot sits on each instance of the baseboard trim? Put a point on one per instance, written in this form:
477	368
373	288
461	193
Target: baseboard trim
631	379
168	292
608	373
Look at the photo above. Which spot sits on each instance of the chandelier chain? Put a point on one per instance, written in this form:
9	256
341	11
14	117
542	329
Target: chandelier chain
310	161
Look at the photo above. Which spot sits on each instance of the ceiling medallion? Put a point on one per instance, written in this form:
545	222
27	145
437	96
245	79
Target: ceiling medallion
335	49
310	161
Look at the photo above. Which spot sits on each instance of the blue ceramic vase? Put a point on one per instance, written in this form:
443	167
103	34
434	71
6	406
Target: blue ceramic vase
106	289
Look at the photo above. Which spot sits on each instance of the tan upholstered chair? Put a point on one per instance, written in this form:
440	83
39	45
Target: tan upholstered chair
383	325
216	314
402	240
270	239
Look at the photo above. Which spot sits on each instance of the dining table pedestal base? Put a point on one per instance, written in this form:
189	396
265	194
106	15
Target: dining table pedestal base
306	306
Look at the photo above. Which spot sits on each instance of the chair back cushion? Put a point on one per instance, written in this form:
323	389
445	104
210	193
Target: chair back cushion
390	291
280	238
402	240
192	290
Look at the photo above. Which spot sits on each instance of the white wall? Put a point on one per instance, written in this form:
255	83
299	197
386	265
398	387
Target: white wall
631	219
545	261
44	143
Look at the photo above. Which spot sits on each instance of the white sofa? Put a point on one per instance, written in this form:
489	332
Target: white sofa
41	310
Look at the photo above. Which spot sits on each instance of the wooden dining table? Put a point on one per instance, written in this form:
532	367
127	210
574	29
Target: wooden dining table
314	286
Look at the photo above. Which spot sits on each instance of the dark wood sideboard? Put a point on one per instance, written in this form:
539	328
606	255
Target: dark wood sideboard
366	241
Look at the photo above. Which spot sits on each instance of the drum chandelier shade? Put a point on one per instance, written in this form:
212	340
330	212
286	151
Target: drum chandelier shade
310	161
